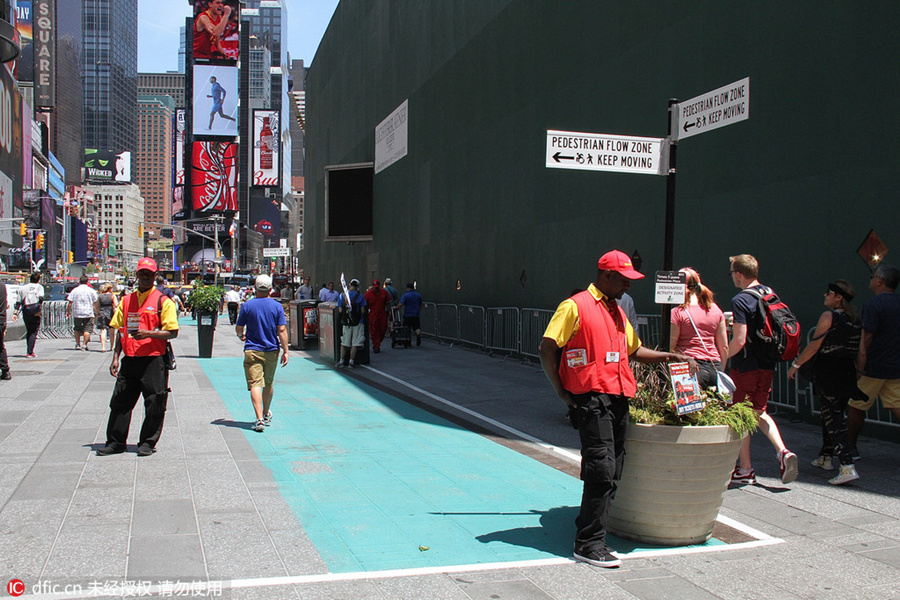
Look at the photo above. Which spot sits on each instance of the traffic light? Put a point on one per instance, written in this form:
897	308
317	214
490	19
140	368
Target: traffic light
22	229
40	241
71	257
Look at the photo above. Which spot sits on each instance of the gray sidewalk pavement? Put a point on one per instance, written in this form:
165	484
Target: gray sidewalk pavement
204	508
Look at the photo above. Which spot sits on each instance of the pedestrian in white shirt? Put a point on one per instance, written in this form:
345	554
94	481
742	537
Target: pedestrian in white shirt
84	305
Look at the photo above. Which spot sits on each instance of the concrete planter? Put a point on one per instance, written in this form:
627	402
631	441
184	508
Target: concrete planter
672	483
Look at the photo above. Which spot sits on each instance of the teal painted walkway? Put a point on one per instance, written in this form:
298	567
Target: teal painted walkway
379	484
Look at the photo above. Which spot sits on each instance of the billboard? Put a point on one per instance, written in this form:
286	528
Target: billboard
214	176
265	215
266	144
216	31
107	166
44	19
215	101
11	148
179	146
25	62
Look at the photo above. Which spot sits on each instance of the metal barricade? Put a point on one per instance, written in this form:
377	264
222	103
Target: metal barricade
55	324
649	330
472	325
534	324
503	332
428	319
447	327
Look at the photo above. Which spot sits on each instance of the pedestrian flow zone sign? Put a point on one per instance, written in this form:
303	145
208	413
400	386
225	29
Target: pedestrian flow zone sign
602	152
718	108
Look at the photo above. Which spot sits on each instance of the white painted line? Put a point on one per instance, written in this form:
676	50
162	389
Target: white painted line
569	455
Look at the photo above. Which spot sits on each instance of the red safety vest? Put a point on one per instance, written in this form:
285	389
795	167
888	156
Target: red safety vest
598	333
149	319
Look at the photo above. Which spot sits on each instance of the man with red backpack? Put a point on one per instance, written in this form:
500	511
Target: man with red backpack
146	320
752	369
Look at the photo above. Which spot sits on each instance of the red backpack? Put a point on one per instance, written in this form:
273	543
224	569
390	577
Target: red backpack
776	333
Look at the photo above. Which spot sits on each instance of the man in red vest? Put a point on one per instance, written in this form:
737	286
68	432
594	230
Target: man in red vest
146	319
593	378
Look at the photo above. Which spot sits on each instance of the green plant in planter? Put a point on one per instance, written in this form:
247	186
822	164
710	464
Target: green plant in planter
207	298
654	404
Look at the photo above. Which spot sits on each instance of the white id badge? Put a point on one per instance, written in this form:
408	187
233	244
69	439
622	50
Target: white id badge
612	357
133	322
576	358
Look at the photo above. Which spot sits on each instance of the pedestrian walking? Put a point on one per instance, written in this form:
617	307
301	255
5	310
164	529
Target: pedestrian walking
84	308
107	302
593	377
145	320
4	359
31	298
395	300
262	326
233	302
879	356
751	372
831	357
412	306
698	330
377	299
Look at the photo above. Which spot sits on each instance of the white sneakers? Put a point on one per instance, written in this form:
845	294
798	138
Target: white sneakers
848	473
823	462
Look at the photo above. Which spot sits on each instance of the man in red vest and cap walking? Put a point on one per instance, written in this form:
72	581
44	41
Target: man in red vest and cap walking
146	320
593	378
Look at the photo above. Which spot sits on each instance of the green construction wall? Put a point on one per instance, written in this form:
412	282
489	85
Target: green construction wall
798	185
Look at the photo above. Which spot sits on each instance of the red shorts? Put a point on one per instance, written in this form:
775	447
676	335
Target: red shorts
753	387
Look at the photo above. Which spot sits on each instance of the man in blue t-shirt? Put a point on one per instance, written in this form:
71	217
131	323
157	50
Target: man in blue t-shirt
411	302
353	329
879	354
262	327
752	375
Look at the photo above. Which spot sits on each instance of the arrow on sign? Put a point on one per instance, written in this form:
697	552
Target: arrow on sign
689	125
557	157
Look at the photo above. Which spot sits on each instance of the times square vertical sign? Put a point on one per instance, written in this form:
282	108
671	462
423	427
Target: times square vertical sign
44	25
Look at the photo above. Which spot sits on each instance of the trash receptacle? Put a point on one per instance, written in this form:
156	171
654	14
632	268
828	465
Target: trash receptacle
293	333
307	323
330	330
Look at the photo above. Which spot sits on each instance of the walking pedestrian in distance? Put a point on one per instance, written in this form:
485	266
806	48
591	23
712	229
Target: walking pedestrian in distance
31	298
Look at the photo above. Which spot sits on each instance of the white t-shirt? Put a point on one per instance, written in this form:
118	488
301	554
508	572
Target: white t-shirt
232	296
31	293
82	299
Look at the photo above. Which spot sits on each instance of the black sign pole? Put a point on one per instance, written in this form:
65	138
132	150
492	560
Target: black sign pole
669	249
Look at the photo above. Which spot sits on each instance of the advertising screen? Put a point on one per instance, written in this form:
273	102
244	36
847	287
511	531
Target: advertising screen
214	176
106	166
266	143
217	31
215	101
179	146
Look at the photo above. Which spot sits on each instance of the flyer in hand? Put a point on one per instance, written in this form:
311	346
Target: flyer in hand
687	389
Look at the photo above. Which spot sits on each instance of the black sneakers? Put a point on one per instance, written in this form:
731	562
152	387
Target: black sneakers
5	376
600	557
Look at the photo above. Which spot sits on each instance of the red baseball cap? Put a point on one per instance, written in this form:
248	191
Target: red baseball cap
618	261
376	283
147	264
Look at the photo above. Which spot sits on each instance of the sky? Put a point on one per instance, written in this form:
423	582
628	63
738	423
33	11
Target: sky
159	22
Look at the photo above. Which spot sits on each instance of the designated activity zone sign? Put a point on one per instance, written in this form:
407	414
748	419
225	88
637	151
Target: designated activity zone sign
670	287
602	152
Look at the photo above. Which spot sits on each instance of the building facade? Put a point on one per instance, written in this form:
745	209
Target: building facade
152	167
162	84
475	215
119	213
109	72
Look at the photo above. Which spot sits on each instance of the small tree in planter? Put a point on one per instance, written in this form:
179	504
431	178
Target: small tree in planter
677	467
206	300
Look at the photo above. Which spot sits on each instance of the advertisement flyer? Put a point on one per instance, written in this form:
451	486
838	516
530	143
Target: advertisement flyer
687	389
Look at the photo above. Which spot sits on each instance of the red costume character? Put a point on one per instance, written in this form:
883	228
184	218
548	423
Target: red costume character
378	300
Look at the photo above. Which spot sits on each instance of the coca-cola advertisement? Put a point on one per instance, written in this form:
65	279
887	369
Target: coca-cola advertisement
266	143
214	176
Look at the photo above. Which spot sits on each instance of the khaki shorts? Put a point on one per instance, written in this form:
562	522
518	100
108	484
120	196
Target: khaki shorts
259	368
353	336
887	389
